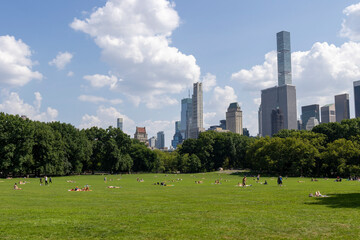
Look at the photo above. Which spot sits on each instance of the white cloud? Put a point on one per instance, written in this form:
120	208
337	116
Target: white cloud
259	76
350	26
208	82
15	62
134	36
106	117
61	60
13	104
96	100
217	106
70	74
99	81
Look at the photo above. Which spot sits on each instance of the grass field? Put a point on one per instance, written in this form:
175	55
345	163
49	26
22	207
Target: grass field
140	210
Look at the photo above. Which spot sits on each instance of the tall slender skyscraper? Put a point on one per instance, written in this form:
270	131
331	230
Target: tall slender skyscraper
234	118
186	116
357	98
342	107
283	96
197	111
120	123
284	58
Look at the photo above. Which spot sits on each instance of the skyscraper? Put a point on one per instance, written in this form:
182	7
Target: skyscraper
177	139
342	107
160	140
283	96
197	111
152	142
328	113
141	135
186	115
120	123
283	58
357	98
309	111
234	118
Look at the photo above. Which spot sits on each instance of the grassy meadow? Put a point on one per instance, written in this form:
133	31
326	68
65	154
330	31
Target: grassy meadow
141	210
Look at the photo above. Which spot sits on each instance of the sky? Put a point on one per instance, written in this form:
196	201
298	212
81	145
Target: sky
88	62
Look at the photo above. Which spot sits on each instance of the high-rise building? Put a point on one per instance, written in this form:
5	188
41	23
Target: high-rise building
308	112
141	135
357	98
277	121
342	107
223	124
311	123
246	132
284	58
177	139
120	123
328	113
197	111
160	141
234	118
186	115
152	142
283	96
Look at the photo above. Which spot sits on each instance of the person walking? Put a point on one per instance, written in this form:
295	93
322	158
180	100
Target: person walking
46	180
244	181
279	181
50	181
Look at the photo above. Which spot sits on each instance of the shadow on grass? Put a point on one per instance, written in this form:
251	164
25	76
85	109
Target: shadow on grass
345	200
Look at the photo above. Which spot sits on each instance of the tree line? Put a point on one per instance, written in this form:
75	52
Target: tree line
38	148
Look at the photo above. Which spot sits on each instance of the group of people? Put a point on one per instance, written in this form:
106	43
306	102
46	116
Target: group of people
317	194
46	179
77	189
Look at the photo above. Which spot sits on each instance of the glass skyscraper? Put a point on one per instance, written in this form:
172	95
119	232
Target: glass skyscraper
186	115
357	98
342	108
283	58
309	111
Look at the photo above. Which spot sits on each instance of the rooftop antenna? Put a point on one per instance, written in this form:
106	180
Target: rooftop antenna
189	92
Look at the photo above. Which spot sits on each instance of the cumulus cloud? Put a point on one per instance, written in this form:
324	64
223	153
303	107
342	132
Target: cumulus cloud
99	81
350	27
13	104
106	117
15	62
134	36
61	60
96	100
70	74
216	108
208	82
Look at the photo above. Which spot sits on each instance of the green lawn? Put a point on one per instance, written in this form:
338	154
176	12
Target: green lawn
140	210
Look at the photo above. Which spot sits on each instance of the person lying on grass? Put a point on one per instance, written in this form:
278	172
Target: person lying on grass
317	194
16	187
113	187
77	189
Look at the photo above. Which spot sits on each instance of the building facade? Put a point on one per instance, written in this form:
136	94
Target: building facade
309	111
152	142
160	140
141	135
186	116
283	98
119	123
234	118
311	123
342	107
277	121
283	58
328	113
357	98
197	111
177	138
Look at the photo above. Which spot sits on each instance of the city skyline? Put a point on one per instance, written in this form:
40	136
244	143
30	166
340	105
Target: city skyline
72	74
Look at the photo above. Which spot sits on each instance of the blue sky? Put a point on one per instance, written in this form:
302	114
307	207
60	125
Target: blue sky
87	62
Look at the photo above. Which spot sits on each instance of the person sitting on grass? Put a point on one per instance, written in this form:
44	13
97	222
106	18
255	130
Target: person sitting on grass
16	187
